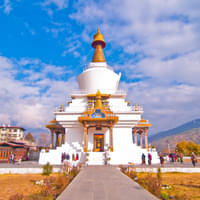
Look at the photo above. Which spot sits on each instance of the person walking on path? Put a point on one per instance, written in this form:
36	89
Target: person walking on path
149	158
143	159
161	160
193	159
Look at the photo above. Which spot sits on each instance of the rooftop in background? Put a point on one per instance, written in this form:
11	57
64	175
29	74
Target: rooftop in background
9	126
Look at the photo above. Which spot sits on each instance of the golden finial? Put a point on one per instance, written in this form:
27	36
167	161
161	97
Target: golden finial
98	103
61	108
98	43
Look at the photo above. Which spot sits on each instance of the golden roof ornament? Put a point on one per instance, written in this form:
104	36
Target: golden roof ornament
98	44
98	103
61	108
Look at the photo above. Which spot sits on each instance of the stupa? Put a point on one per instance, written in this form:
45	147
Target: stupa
98	126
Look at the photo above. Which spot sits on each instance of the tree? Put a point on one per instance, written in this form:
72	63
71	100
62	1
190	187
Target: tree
43	139
29	137
187	148
192	147
181	147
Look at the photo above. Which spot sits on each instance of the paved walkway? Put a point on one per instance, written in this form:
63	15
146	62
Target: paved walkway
104	183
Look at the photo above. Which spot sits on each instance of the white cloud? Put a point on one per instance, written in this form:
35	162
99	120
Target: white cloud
165	105
156	28
7	7
166	34
60	4
31	100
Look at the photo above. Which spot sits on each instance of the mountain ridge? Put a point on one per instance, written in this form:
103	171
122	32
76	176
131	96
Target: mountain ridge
177	130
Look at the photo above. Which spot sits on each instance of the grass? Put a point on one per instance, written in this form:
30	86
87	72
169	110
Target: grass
185	186
11	184
23	187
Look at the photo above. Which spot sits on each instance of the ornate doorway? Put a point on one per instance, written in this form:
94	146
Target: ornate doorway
98	142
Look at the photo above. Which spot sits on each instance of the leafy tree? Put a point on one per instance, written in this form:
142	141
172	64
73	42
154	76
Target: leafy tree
29	137
181	147
187	148
192	147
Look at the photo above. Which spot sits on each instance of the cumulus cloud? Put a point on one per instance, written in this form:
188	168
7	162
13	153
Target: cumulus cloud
160	53
159	56
28	98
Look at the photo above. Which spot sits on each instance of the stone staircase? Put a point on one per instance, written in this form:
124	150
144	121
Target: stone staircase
96	158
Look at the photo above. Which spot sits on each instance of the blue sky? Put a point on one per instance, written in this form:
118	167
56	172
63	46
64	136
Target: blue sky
45	44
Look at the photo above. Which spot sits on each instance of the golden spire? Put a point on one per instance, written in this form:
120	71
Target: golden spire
98	103
98	43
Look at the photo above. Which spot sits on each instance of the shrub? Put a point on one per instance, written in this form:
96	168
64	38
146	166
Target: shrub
73	173
164	196
159	177
133	175
49	189
151	183
123	169
61	183
47	169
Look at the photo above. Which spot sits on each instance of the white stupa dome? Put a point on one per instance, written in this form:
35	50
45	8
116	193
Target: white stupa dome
98	75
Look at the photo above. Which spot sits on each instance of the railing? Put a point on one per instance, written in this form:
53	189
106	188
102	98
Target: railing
136	108
106	91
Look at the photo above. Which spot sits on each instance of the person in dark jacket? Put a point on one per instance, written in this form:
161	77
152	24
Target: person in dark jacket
143	159
193	159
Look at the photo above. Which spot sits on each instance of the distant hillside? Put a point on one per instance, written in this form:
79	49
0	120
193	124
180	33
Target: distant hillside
178	130
171	141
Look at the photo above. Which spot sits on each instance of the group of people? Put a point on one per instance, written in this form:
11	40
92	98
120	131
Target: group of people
144	159
173	157
150	159
12	158
66	157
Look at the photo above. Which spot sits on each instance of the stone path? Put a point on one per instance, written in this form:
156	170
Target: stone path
104	183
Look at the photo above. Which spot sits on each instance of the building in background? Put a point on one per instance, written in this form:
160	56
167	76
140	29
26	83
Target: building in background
8	133
99	125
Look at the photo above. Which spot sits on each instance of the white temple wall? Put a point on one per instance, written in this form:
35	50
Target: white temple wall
78	104
122	138
68	117
128	116
74	135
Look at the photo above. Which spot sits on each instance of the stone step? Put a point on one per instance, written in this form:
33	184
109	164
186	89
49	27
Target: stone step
96	158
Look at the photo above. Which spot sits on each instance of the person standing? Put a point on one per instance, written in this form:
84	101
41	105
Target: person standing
143	159
149	158
193	159
161	160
